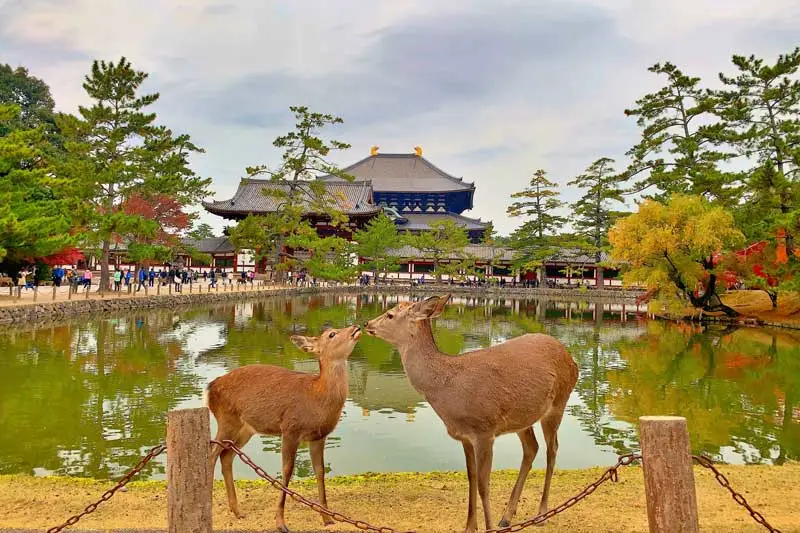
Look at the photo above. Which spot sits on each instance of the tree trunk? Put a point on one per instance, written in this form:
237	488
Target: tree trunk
104	268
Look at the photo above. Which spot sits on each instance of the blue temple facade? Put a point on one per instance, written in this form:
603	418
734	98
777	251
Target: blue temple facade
415	192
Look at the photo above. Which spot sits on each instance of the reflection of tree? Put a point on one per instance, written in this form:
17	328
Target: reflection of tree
80	411
729	386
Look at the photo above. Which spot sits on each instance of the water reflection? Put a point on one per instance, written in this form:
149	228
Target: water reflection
87	398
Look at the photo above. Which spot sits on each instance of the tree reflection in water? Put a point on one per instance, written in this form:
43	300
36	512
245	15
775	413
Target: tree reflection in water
87	398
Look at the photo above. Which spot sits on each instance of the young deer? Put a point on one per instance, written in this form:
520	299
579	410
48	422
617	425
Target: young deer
271	400
481	394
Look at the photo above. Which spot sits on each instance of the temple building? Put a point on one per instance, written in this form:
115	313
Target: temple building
408	187
415	192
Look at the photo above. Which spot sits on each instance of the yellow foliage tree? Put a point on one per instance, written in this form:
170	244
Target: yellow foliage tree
670	248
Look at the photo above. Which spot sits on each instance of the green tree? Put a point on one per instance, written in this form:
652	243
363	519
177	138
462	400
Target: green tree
760	108
34	215
297	192
671	247
444	241
201	231
117	152
375	243
593	216
32	96
534	239
679	151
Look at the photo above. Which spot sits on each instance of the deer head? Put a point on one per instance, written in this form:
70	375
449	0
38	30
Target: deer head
332	344
401	323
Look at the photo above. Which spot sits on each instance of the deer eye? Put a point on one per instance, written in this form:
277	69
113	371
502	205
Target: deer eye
389	316
332	335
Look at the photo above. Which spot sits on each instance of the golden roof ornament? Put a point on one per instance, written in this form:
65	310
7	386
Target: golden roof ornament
418	151
374	150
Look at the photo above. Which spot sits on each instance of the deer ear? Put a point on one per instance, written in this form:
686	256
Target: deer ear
429	308
307	344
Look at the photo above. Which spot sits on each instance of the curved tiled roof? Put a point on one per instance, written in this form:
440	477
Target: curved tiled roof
481	252
352	197
422	221
403	173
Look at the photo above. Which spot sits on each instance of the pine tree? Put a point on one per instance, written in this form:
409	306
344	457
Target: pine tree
592	215
116	152
534	239
680	150
760	107
304	159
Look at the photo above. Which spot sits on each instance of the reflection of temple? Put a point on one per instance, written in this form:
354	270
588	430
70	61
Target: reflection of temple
374	391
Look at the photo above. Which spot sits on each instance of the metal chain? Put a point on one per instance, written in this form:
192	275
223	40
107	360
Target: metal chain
92	507
339	517
738	498
609	475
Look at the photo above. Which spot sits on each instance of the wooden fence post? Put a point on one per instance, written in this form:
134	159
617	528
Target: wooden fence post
188	471
668	475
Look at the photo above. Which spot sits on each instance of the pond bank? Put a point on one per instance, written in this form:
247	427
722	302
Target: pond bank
426	502
29	312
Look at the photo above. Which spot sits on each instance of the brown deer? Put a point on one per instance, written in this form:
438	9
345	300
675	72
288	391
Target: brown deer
485	393
298	406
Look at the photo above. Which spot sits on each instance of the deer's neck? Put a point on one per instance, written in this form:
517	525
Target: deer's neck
333	379
426	367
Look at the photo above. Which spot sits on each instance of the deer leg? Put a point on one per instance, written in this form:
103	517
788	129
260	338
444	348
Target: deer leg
226	462
529	448
289	444
550	425
318	463
472	519
483	458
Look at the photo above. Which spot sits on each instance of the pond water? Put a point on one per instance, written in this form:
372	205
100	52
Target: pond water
87	398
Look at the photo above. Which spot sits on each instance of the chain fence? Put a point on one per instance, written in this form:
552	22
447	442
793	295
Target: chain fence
92	507
610	474
706	462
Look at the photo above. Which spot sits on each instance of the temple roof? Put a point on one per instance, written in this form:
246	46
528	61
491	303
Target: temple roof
481	252
354	198
210	245
422	221
403	173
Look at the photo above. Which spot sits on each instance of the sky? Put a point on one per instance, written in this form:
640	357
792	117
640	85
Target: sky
491	90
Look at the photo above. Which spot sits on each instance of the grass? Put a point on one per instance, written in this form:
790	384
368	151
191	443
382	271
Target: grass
421	501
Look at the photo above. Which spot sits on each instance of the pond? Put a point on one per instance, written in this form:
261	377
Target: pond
87	398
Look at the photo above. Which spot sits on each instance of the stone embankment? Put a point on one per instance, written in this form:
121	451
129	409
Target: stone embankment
60	310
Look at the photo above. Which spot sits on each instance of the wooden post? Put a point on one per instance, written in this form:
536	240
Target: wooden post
54	292
668	475
188	471
35	292
158	287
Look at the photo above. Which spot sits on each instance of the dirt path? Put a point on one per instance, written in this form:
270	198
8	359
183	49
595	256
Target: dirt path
424	502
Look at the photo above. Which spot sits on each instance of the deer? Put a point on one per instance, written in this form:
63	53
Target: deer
298	406
485	393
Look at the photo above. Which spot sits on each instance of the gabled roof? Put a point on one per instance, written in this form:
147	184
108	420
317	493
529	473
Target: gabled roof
403	173
422	221
576	256
354	198
210	245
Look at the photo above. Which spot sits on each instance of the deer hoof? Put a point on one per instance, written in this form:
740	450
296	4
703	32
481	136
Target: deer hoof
328	521
284	529
503	523
238	514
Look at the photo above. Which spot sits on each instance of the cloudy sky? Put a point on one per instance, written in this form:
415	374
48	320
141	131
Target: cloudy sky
491	90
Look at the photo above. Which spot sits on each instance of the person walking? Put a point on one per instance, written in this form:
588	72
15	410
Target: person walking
142	279
87	279
117	280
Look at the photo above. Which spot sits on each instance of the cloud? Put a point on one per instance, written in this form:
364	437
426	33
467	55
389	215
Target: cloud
491	89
